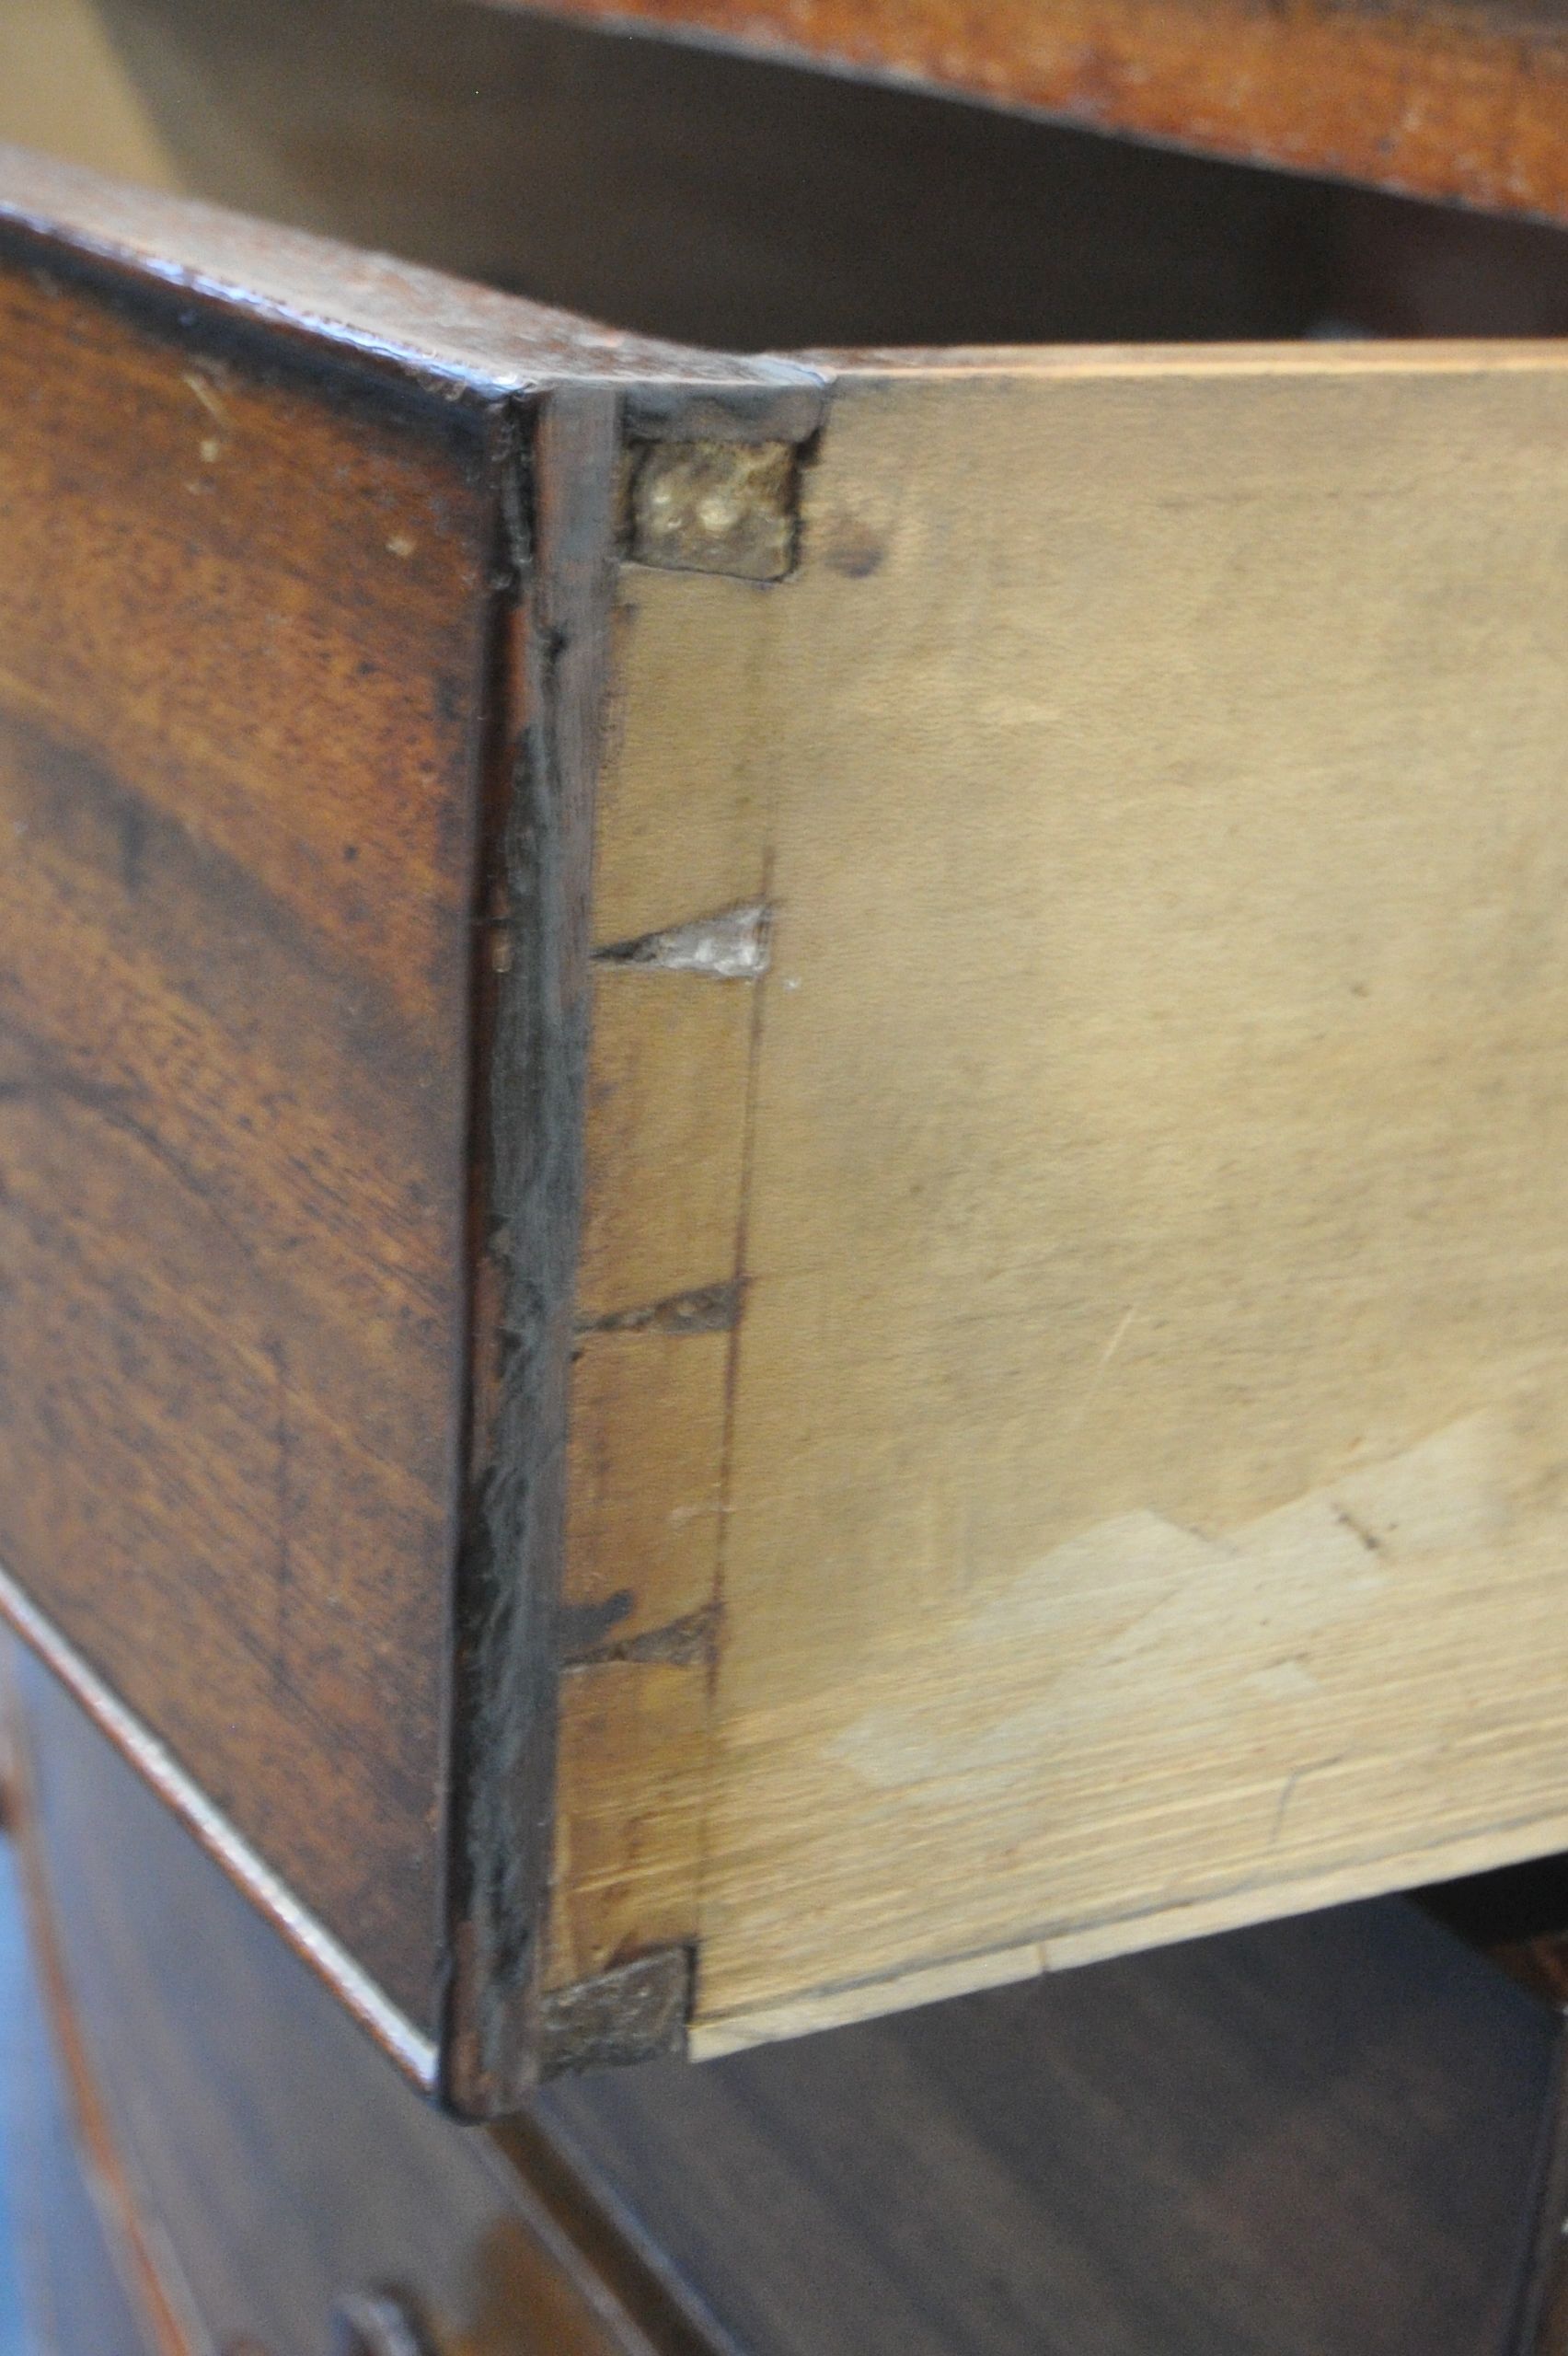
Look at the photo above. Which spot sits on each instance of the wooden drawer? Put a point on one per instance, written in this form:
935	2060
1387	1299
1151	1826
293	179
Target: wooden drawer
781	1139
260	2181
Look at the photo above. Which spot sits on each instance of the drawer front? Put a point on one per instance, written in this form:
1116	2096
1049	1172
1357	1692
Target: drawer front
69	2275
245	629
781	1139
270	2187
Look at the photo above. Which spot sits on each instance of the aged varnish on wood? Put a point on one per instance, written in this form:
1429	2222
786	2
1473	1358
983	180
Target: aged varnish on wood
780	1139
262	647
1458	99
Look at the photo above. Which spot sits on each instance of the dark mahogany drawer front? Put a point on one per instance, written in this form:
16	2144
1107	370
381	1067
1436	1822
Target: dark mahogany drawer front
260	695
245	614
272	2187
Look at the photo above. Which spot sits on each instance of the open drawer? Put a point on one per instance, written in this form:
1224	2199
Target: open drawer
782	1142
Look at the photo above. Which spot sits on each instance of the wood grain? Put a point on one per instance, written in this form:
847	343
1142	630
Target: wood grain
295	929
238	774
1319	2135
810	208
1138	1506
1454	99
276	2171
1015	1415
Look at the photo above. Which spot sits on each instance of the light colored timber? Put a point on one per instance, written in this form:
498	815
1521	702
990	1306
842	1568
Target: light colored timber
1141	1499
64	88
839	2007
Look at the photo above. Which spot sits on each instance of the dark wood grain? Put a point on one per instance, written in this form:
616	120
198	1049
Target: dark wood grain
306	657
1458	99
1320	2135
285	2165
748	203
738	202
299	685
245	625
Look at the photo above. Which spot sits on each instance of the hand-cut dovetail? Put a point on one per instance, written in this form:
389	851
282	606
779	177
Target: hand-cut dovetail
690	1642
732	946
708	1309
715	507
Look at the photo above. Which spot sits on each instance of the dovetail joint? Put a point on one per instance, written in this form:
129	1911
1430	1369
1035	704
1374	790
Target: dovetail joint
732	946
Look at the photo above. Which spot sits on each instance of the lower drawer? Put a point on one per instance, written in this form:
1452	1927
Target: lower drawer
70	2279
210	2157
1321	2135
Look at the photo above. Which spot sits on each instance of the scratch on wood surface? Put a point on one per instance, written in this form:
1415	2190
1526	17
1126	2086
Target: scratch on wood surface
732	945
1292	1786
1098	1377
212	445
1287	1793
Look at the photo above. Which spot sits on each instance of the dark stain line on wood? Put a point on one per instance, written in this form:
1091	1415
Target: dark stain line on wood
585	1626
785	404
530	1085
78	809
732	1392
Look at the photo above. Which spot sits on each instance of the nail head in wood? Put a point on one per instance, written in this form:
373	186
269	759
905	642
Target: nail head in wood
715	507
